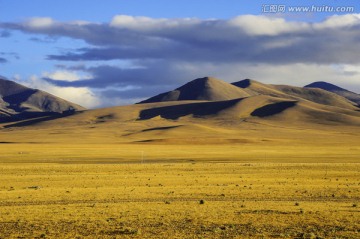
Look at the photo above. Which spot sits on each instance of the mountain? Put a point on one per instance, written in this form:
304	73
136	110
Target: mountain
212	89
207	88
18	102
204	111
352	96
254	120
259	108
316	95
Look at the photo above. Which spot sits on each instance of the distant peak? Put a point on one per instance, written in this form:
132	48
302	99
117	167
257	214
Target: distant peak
325	86
205	88
200	82
206	79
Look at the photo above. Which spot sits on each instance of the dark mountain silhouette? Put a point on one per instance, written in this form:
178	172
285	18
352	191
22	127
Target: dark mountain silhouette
18	102
352	96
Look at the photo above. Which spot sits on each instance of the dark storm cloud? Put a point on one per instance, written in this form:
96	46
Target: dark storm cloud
152	74
273	50
242	39
111	82
94	34
321	47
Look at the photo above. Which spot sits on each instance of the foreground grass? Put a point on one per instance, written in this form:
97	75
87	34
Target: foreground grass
181	200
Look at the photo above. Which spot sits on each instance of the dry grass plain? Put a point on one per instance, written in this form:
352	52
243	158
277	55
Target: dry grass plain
100	174
162	200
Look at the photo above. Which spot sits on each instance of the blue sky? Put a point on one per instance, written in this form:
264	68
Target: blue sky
130	50
99	10
104	10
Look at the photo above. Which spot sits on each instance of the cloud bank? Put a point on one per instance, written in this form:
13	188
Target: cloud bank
163	53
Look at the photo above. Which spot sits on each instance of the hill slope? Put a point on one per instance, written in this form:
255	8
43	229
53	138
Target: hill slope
249	119
257	88
19	102
316	95
352	96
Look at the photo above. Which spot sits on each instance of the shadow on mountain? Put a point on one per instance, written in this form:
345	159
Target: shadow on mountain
243	83
161	128
195	109
25	116
273	109
14	100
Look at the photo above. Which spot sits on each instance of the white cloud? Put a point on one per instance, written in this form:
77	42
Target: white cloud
339	21
79	95
353	70
80	23
116	101
133	22
147	24
40	22
263	25
64	75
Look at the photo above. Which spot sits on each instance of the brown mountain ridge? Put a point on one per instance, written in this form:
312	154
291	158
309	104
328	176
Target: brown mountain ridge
205	111
206	88
18	102
352	96
205	98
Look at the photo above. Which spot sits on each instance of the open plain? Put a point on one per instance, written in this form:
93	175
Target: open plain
262	166
180	200
254	181
161	119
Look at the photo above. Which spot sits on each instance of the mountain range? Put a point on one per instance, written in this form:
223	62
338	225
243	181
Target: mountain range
212	89
248	98
205	109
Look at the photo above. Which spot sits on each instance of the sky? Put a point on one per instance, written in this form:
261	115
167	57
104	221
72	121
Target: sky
101	53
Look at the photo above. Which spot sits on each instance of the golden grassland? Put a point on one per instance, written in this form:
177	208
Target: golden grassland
180	200
103	137
175	153
105	174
